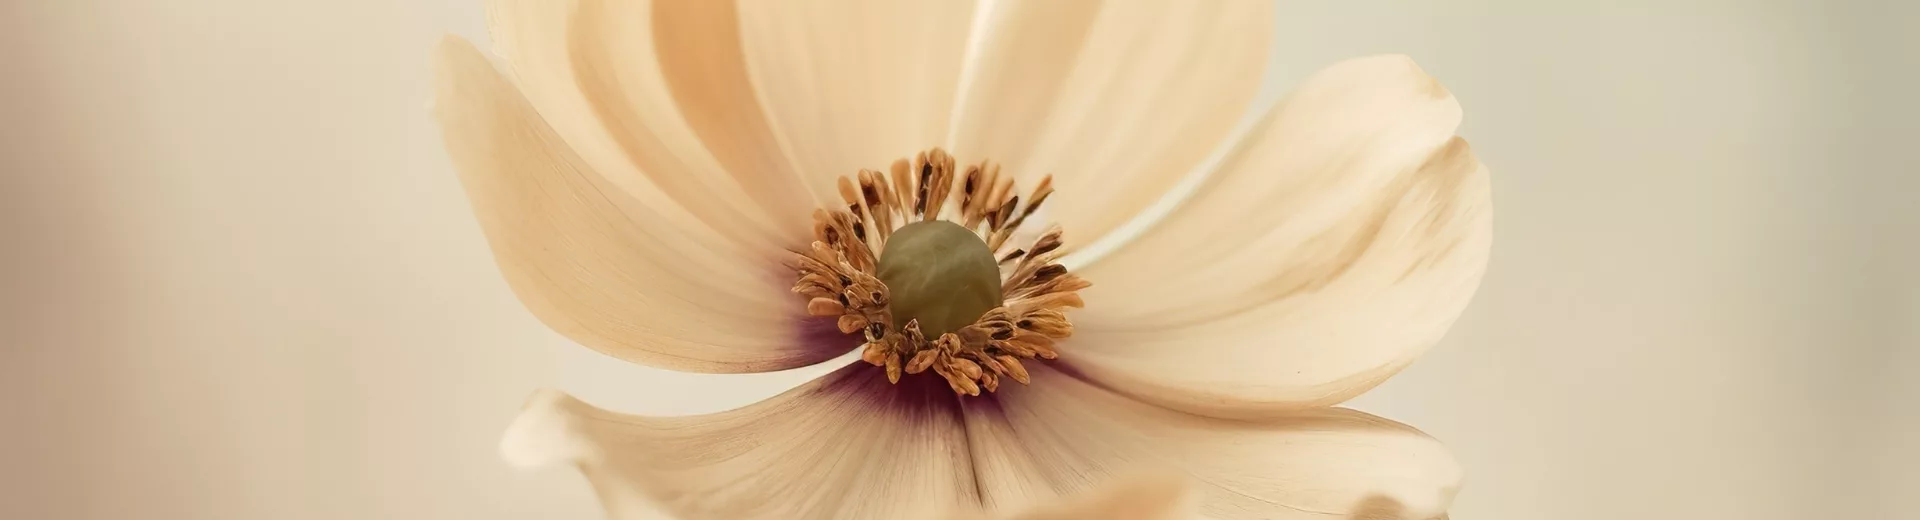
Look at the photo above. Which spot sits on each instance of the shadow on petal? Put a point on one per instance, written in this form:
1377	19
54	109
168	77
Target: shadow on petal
1382	508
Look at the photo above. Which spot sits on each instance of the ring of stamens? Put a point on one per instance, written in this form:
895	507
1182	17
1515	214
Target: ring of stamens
840	272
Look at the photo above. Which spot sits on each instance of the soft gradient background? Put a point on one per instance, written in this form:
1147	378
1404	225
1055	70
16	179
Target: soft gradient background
240	281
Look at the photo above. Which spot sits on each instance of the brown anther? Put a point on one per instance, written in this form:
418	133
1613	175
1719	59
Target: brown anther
1060	284
1002	188
893	368
1040	345
923	184
825	307
829	235
911	332
967	367
874	193
991	365
850	323
1055	300
869	192
922	361
1049	322
942	187
1047	273
970	192
985	193
1047	243
1039	196
1013	368
959	382
998	220
876	353
815	285
903	187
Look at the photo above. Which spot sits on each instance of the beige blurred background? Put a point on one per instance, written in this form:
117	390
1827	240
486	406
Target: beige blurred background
241	282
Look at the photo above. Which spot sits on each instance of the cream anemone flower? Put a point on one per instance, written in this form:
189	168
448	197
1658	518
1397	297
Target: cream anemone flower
758	185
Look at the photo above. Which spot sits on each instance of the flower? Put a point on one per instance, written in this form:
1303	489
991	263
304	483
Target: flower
747	186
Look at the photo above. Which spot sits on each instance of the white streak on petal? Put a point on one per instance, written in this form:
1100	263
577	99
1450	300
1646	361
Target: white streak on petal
1174	197
980	29
1117	100
633	388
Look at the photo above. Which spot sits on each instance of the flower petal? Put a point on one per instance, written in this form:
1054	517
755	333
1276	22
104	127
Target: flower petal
1063	433
1339	244
853	84
590	69
598	266
531	37
1151	497
1117	100
846	446
1137	497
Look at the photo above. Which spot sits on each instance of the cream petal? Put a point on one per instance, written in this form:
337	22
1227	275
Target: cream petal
1062	433
1117	100
849	445
590	68
597	265
530	36
1150	496
853	84
1339	244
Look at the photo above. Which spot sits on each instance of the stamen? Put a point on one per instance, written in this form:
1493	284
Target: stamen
1002	188
920	198
904	187
1000	215
1040	194
1015	255
969	196
884	259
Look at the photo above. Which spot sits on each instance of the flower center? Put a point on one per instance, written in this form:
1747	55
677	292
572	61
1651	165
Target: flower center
941	275
923	269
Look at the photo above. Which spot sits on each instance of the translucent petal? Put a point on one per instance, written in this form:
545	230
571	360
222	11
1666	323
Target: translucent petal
846	446
1338	244
1064	434
590	68
594	263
